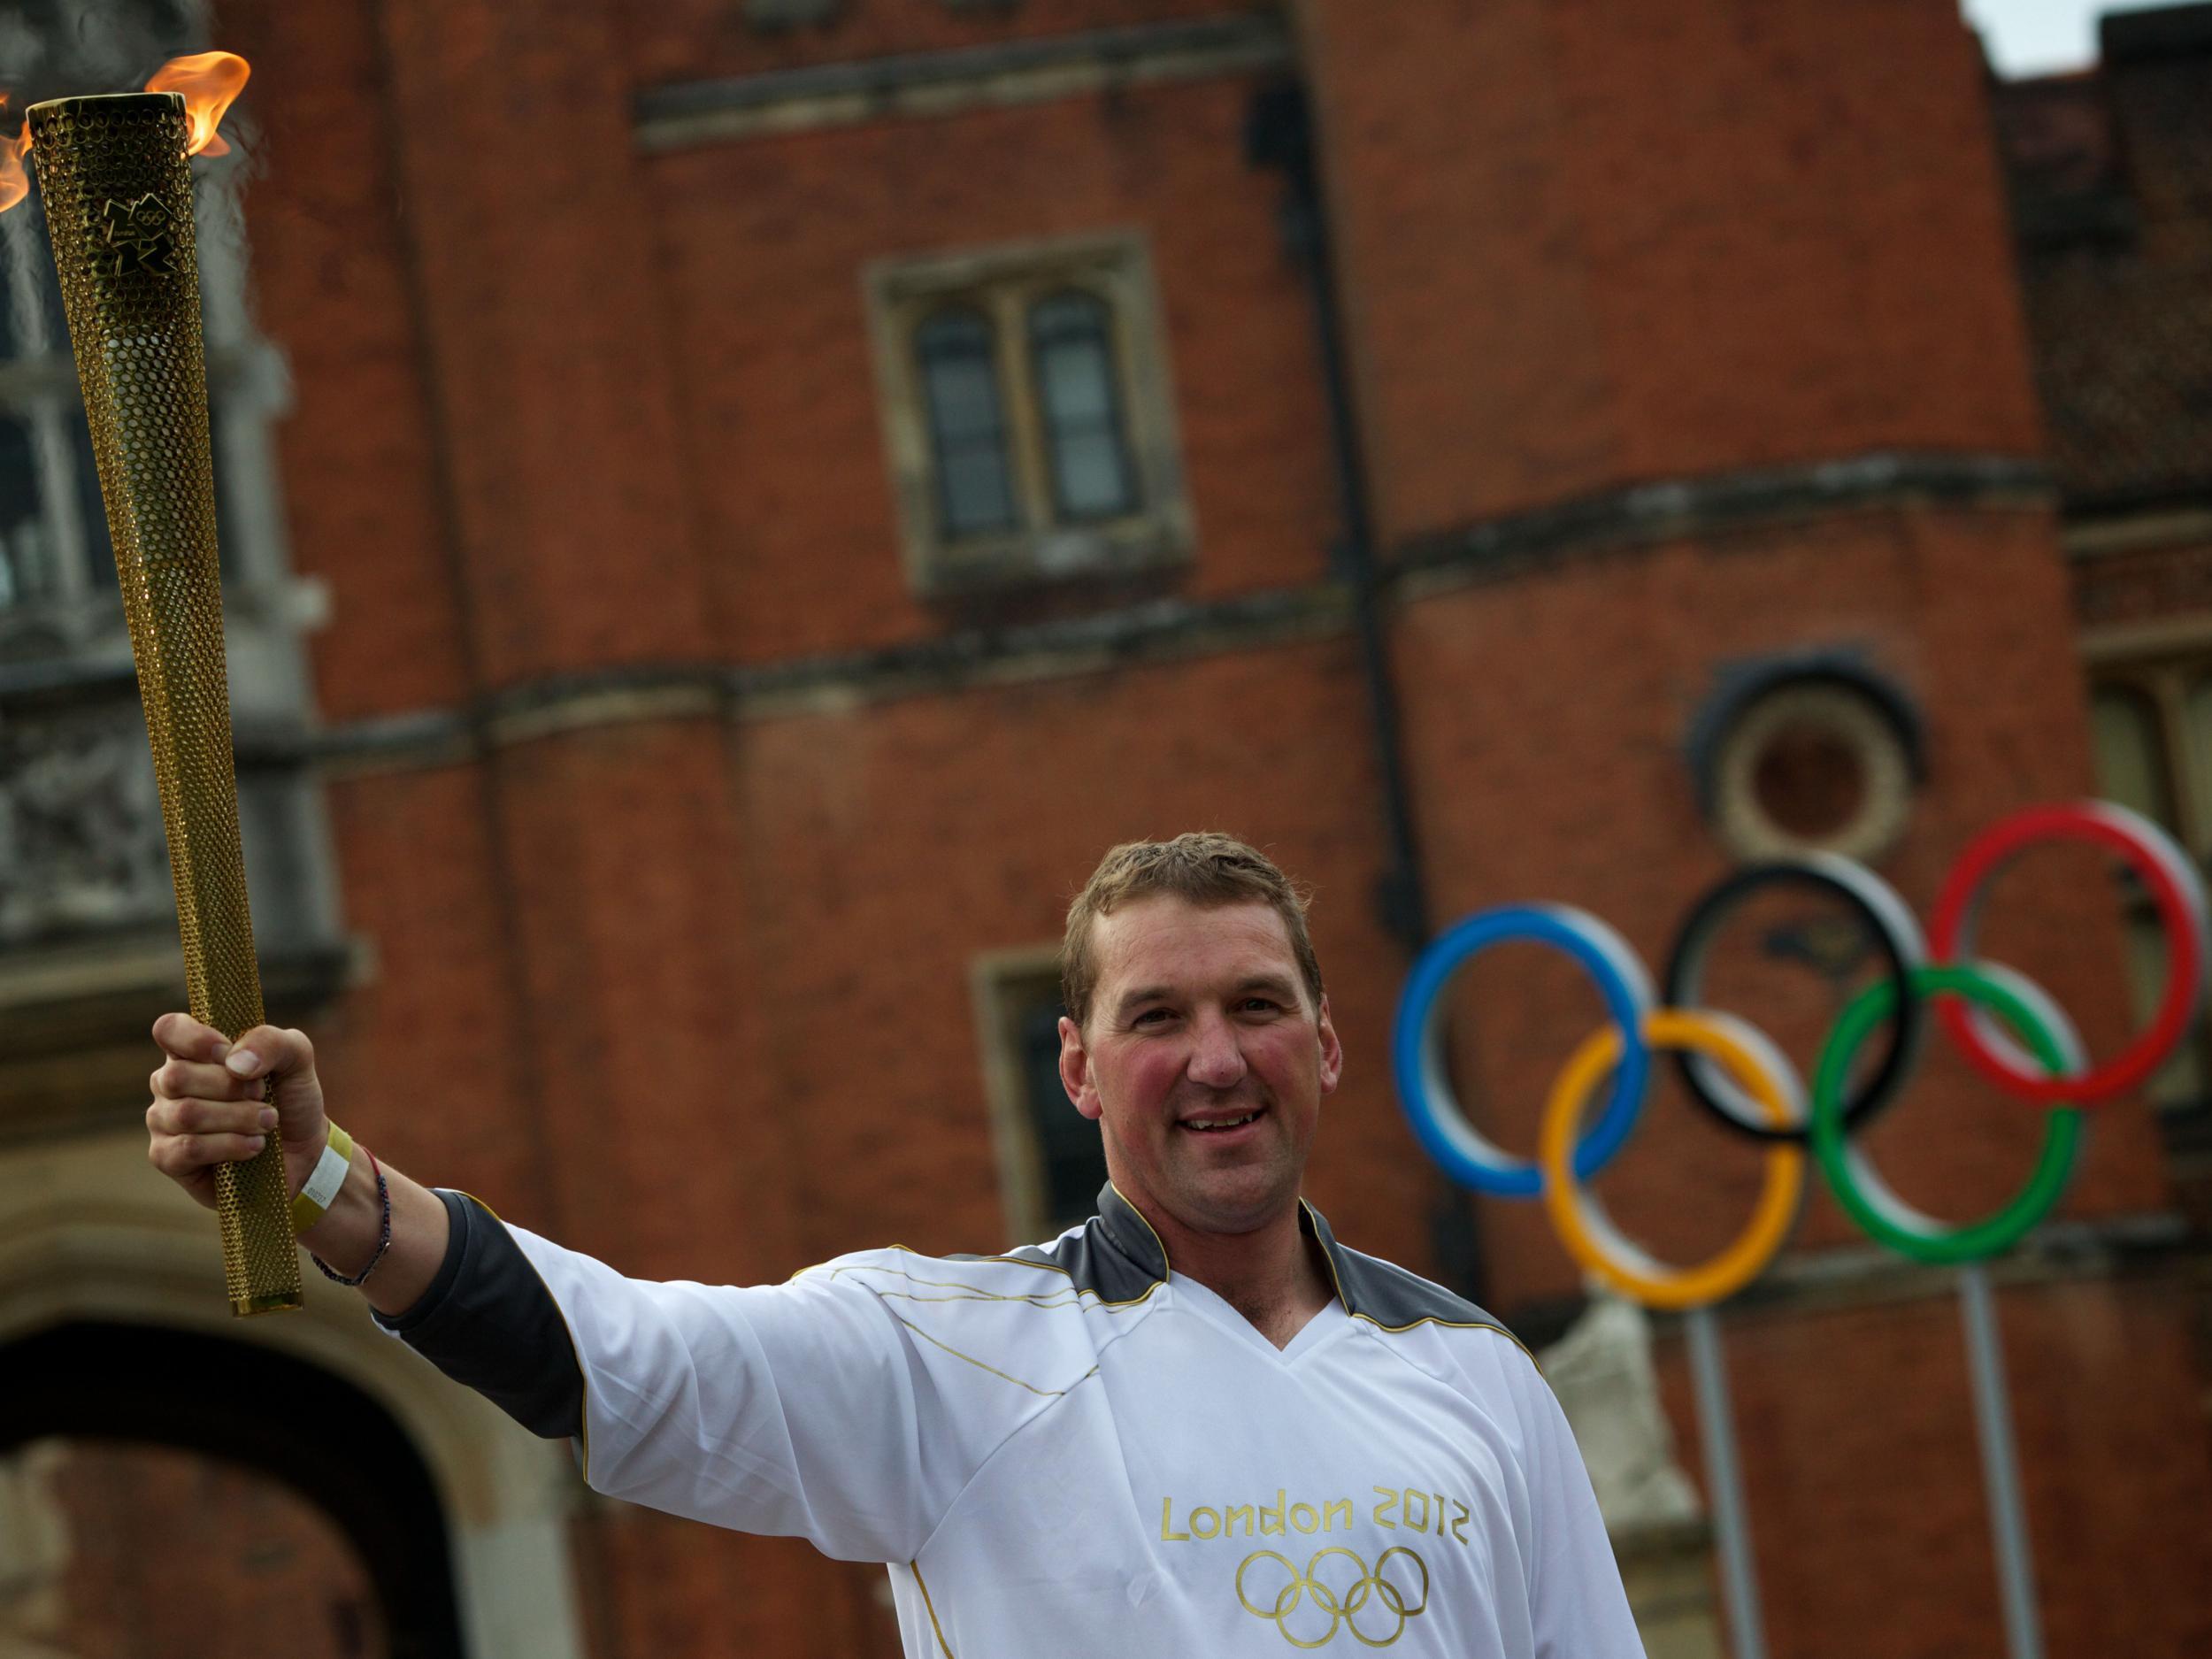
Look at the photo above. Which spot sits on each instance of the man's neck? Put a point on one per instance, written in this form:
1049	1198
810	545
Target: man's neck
1275	1275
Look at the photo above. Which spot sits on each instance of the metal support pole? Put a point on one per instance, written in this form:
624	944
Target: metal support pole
1723	1484
2000	1465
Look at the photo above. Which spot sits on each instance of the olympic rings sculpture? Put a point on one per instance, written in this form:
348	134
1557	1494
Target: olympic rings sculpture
1343	1605
2010	1031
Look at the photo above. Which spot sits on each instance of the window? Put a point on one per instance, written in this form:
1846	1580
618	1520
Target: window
53	535
1027	416
1051	1162
1810	752
82	859
2151	723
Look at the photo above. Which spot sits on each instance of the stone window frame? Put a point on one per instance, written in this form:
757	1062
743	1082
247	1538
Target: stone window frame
2162	665
1830	689
1005	985
2157	667
1002	282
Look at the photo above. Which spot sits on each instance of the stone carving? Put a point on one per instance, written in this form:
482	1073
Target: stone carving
34	1553
80	840
1602	1373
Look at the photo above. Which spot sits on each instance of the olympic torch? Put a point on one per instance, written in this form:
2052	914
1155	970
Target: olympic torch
118	193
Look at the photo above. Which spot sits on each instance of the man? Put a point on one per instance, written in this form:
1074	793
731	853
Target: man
1197	1424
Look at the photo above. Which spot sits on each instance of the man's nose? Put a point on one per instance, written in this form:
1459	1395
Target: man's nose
1216	1059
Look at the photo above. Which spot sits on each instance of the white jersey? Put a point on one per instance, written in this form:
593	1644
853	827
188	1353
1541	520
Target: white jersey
1072	1451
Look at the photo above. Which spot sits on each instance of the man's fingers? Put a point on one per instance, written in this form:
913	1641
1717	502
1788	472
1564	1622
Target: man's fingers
180	1154
175	1079
219	1117
186	1039
266	1050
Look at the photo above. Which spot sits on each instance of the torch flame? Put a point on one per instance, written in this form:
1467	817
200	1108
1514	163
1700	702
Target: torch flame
209	82
14	185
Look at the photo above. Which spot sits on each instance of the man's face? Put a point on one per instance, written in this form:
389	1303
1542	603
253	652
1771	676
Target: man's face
1203	1060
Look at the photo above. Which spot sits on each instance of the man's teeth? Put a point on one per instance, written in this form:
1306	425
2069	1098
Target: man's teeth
1219	1122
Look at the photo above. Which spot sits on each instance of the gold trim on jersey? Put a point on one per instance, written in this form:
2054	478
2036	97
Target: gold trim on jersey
1167	1262
1046	1394
1011	1260
930	1606
977	1291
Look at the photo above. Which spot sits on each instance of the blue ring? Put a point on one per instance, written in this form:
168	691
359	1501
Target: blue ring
1417	1047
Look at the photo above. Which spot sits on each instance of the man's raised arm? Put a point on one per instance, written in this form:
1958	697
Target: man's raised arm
439	1267
793	1409
208	1109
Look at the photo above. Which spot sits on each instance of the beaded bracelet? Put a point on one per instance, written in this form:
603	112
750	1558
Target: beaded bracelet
384	1241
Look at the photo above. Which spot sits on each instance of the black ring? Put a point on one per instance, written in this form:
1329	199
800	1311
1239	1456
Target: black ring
1896	935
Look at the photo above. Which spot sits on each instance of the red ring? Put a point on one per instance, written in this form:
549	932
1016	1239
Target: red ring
2178	914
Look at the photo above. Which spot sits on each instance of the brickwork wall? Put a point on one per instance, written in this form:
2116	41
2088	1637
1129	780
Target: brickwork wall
171	1554
765	243
1857	1428
696	39
694	994
1589	244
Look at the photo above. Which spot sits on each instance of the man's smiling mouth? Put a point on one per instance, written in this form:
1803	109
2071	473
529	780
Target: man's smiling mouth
1209	1126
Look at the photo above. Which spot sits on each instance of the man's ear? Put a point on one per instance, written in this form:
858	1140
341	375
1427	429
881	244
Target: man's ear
1075	1068
1332	1051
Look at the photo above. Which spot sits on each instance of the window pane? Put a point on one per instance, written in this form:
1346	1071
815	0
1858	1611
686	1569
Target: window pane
1093	483
1073	1157
27	570
1075	383
1070	343
974	491
2180	1081
967	423
964	398
2131	770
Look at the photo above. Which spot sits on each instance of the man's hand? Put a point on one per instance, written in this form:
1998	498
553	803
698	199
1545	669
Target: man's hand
208	1107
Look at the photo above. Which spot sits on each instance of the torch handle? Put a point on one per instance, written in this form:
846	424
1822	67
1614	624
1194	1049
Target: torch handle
118	195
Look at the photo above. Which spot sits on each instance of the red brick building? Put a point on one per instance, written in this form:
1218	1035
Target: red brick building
774	488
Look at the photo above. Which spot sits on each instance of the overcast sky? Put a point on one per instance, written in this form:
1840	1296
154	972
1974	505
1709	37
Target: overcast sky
2036	37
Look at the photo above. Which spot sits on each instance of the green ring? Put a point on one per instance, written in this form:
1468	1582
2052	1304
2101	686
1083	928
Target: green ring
1888	1218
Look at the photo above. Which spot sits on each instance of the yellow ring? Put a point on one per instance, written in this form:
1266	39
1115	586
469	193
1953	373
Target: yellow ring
1580	1221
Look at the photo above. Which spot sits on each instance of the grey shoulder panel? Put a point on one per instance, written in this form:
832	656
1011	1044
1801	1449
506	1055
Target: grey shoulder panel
1116	1255
1093	1262
488	1322
1385	1295
1396	1299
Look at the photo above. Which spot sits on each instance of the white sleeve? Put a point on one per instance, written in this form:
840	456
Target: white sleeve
800	1409
1578	1607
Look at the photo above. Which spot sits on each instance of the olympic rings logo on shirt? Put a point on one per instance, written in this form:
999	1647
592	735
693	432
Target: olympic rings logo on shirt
2008	1029
1343	1604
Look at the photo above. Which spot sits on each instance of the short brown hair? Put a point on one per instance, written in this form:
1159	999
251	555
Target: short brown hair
1204	868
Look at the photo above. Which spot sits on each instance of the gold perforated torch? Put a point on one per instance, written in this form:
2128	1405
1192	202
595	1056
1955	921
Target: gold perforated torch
118	194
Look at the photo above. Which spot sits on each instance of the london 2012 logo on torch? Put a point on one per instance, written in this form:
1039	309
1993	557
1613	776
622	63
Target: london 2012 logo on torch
133	237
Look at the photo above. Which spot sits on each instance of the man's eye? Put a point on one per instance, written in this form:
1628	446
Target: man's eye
1151	1017
1265	1004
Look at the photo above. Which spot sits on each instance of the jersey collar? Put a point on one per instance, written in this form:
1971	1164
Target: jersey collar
1130	1236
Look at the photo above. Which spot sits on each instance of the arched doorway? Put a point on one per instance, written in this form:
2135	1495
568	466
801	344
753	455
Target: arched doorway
99	1397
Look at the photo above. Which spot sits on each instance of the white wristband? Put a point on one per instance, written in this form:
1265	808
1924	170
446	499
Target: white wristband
323	1184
